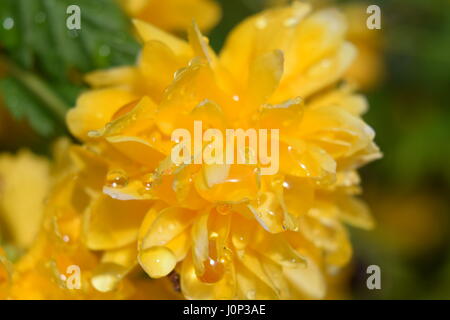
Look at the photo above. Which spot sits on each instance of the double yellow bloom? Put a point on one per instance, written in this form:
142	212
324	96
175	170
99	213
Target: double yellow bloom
119	205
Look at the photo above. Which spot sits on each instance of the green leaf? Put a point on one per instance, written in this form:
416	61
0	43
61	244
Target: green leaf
23	105
47	60
44	41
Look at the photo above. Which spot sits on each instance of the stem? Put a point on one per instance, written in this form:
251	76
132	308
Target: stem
38	87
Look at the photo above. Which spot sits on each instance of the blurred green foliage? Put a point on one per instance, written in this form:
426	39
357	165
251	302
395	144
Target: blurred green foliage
47	60
410	109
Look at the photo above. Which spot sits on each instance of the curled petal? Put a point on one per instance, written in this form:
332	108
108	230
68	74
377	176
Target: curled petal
169	223
95	108
148	32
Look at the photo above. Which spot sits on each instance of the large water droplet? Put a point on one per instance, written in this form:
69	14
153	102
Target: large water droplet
213	272
116	179
157	261
106	276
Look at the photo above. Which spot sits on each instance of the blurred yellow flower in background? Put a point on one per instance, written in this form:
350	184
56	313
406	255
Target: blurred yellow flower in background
410	224
368	69
24	183
174	15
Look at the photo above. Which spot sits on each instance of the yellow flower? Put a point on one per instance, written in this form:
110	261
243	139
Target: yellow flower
368	69
174	15
228	231
24	183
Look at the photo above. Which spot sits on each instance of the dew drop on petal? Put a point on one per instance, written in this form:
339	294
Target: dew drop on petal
223	209
157	261
213	270
116	179
261	23
148	181
291	22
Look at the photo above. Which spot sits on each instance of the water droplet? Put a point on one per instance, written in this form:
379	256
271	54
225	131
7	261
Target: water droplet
8	23
106	276
291	22
148	181
223	209
178	73
251	294
157	261
261	23
116	179
213	272
236	98
94	134
66	238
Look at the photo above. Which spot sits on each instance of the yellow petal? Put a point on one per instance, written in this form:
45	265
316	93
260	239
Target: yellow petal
318	76
169	223
175	15
111	223
355	212
240	184
125	256
126	77
277	248
319	35
148	32
268	212
264	77
157	261
252	262
260	34
107	276
24	185
158	63
139	150
94	109
336	131
309	281
250	287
